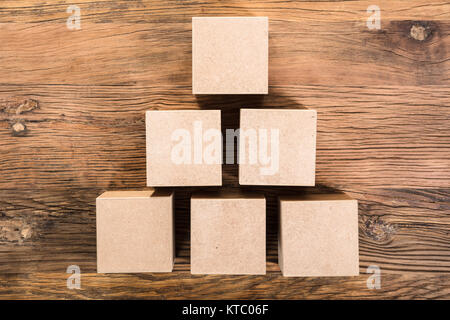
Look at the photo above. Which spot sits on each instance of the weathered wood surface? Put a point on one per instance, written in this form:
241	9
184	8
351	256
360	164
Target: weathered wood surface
183	285
72	109
367	137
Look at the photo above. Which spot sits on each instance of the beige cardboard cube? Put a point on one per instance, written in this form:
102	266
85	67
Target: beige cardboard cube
135	232
318	236
230	55
277	147
184	148
228	234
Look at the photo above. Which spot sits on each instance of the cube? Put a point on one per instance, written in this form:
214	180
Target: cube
230	55
277	147
184	148
228	234
318	236
135	232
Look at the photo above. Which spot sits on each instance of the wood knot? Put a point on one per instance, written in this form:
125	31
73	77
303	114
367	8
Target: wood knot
19	129
16	107
377	229
27	106
15	230
419	32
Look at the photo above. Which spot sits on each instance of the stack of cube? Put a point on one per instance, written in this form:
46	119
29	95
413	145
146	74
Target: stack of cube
318	233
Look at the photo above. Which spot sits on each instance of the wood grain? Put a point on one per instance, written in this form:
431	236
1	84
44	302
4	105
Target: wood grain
183	285
401	230
94	136
72	109
325	43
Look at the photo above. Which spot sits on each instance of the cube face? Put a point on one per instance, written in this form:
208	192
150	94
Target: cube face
184	148
318	236
228	235
277	147
230	55
135	232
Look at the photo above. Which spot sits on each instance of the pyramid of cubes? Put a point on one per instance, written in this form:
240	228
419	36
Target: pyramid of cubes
318	233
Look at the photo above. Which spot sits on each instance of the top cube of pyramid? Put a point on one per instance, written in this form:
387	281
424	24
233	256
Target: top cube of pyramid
230	55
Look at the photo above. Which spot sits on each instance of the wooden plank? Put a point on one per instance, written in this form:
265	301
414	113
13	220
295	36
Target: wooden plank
86	136
400	230
185	286
310	43
101	11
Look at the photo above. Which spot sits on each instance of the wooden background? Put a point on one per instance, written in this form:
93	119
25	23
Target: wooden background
72	106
